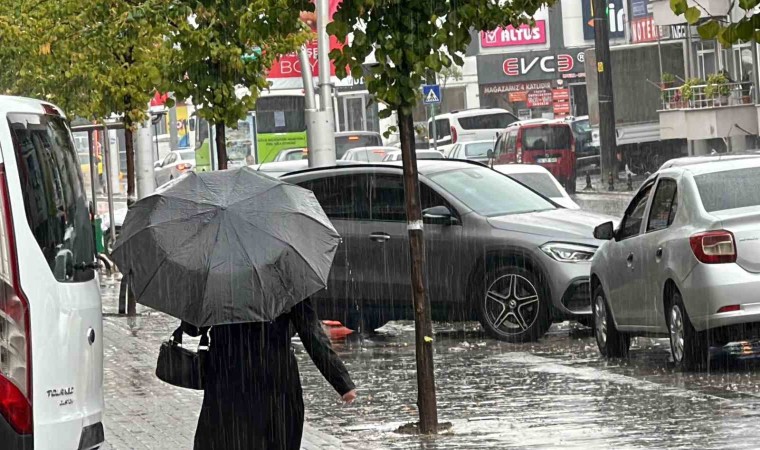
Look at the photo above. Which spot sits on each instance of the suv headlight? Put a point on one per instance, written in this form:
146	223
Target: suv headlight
568	252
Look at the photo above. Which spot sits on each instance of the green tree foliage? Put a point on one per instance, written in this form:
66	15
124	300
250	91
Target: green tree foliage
93	58
221	56
411	38
745	29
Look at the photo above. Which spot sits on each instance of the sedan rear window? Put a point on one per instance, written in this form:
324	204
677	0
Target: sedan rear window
729	189
539	182
486	121
347	142
477	150
490	193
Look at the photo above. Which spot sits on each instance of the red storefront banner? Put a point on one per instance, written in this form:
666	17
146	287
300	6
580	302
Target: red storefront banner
561	108
288	66
560	94
539	97
511	36
644	30
519	96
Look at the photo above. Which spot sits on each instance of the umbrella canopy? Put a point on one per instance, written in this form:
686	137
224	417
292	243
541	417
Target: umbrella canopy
226	247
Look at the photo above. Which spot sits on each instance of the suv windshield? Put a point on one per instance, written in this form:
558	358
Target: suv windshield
347	142
54	199
490	193
729	189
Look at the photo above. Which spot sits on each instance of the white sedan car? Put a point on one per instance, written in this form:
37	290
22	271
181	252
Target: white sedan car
540	180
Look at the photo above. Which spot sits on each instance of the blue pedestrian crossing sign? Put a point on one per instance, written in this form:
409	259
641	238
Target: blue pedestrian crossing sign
431	94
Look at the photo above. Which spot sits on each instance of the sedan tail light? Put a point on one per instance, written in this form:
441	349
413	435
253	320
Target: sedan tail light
714	247
15	336
184	166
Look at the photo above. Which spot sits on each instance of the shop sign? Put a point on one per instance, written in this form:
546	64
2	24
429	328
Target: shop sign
529	66
644	29
539	98
509	88
615	17
511	36
547	64
560	94
519	96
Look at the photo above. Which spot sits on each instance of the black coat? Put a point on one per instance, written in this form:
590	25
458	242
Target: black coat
253	398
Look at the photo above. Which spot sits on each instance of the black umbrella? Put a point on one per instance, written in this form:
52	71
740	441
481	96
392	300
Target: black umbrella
226	247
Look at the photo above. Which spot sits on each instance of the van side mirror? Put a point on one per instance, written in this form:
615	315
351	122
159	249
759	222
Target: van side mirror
605	231
157	164
441	215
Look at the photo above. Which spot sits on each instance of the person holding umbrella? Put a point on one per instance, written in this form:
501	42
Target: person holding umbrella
240	253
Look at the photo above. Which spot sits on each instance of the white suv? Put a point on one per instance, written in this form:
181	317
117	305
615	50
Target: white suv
51	351
468	125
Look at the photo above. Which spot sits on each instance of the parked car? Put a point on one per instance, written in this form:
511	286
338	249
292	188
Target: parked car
549	143
514	261
586	153
291	154
278	169
684	263
540	180
51	339
367	154
473	151
468	125
395	155
346	140
174	164
692	160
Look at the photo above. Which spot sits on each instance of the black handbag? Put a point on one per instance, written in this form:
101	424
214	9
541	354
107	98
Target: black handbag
180	366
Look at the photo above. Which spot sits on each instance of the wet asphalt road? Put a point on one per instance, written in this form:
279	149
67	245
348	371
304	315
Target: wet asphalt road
557	392
554	393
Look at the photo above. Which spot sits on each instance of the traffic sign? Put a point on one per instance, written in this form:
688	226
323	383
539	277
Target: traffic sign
431	94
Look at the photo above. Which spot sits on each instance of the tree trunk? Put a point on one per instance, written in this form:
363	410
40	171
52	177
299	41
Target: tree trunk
129	148
423	327
221	146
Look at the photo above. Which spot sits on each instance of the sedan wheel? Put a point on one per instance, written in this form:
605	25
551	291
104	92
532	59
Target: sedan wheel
689	347
611	342
514	307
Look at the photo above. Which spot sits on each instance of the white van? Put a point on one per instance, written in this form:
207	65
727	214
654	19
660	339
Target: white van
51	351
468	125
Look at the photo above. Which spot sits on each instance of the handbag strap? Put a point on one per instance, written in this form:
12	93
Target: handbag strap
177	337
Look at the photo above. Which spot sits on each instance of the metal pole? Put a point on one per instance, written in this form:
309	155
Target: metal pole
310	100
93	172
144	161
324	124
435	127
607	135
109	187
173	131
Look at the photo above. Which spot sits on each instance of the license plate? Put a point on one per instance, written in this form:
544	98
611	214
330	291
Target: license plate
546	160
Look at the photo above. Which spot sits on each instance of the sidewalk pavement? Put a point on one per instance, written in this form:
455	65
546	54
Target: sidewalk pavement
599	185
142	412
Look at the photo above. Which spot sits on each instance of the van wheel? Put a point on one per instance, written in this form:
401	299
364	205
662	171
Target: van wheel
689	347
611	342
515	305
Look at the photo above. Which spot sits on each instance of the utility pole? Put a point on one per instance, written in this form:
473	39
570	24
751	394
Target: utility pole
173	130
607	135
320	123
146	182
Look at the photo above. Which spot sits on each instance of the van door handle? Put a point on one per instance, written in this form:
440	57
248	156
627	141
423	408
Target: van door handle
658	254
380	237
629	260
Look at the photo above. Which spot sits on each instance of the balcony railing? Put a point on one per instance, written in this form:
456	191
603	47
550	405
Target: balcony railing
701	97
